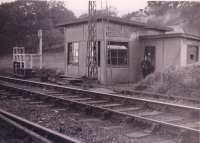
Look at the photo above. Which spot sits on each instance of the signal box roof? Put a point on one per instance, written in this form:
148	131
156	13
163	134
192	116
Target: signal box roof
115	20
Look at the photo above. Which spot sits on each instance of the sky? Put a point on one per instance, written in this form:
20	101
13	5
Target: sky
121	6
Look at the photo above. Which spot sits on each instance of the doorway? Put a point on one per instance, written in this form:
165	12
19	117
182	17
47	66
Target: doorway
149	54
148	63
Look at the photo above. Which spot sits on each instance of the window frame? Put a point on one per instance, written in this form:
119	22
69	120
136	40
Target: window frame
74	58
117	57
197	54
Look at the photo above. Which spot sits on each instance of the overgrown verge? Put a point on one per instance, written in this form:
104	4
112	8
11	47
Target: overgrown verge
184	81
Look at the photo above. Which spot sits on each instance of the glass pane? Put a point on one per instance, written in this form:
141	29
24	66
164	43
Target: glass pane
114	61
75	60
73	53
76	46
114	53
122	53
122	61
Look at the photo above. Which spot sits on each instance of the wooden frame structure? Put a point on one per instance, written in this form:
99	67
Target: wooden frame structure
24	64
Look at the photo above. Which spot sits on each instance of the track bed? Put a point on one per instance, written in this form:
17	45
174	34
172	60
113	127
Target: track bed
155	120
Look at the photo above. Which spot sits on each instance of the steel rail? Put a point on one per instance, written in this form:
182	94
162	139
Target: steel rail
21	129
42	132
138	118
100	94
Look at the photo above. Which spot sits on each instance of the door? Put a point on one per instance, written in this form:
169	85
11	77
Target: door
149	54
148	63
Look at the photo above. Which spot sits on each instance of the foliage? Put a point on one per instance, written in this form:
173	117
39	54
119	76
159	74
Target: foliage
184	14
104	12
177	81
21	19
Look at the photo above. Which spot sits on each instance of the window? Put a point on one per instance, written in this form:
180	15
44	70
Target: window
118	53
73	52
192	54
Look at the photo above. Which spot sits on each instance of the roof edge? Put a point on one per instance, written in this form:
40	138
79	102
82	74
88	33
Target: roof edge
115	20
170	35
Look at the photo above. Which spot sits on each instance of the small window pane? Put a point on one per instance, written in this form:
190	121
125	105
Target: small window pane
113	53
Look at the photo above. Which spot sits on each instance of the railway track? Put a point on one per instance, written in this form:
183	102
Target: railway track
34	132
180	121
12	131
191	101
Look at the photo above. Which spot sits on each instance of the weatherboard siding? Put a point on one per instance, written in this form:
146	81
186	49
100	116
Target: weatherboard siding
117	32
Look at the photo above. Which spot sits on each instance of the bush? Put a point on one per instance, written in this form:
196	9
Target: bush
182	81
46	74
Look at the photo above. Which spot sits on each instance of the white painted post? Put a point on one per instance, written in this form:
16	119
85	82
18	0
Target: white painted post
183	55
66	50
40	46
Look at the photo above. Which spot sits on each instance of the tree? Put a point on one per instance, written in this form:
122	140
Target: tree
21	19
59	13
104	12
183	14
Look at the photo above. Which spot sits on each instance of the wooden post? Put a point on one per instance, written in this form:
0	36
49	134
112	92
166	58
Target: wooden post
40	46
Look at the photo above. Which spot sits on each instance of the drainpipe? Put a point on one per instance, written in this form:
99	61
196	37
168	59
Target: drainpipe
163	57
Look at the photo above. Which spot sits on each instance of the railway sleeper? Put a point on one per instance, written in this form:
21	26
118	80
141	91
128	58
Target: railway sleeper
107	114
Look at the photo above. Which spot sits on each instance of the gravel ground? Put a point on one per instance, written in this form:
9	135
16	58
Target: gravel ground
71	123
